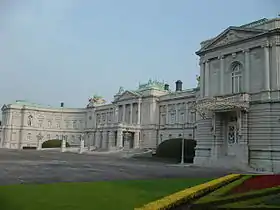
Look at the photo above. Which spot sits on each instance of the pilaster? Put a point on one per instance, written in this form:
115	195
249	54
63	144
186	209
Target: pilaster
266	67
202	78
123	114
276	45
131	113
222	70
139	112
207	78
247	70
116	114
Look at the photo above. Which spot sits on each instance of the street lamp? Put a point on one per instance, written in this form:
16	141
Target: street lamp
39	137
183	146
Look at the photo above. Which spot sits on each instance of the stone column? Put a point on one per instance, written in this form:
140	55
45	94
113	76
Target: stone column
222	73
117	114
136	139
266	68
104	140
63	144
207	78
39	139
131	111
119	138
139	113
82	144
97	139
111	140
93	139
202	78
123	114
277	52
247	70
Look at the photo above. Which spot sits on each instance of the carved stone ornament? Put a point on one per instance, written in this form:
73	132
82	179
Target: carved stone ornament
231	36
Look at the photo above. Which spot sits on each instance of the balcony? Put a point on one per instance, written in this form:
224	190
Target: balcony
224	103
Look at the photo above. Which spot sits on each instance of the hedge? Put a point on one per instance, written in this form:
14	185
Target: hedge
54	143
172	149
189	194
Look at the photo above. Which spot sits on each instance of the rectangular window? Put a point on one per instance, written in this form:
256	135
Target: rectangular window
49	124
182	117
173	118
74	124
163	119
40	123
236	84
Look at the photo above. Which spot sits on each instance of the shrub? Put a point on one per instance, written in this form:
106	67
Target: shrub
172	149
54	143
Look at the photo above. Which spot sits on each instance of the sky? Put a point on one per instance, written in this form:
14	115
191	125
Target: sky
68	50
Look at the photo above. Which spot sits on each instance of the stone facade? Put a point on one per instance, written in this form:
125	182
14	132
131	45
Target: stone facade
239	98
234	114
135	119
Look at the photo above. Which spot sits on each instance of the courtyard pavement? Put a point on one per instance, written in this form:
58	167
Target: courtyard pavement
28	166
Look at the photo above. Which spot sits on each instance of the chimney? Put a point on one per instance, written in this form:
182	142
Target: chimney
61	104
166	87
179	85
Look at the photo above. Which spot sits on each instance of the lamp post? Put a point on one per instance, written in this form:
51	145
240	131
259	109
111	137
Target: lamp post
39	137
88	140
82	143
183	146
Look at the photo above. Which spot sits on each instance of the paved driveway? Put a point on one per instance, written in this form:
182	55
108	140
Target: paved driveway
51	166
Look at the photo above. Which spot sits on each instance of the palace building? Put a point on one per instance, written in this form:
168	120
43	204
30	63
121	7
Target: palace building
233	114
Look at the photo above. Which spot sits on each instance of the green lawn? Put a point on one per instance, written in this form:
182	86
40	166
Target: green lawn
119	195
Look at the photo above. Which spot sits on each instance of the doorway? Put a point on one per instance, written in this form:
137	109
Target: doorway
232	138
128	139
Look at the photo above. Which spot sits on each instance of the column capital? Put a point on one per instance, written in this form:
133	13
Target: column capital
276	41
220	57
233	55
266	44
246	50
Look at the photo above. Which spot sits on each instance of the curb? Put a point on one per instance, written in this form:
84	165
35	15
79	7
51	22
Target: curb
188	194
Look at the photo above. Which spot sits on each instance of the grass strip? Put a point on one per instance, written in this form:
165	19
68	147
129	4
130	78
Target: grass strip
123	195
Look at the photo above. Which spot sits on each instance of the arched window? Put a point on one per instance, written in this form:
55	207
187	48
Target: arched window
236	78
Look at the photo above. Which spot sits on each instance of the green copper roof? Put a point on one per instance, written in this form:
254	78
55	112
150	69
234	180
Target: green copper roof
152	84
26	103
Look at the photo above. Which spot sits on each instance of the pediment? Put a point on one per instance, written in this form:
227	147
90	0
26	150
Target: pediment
230	35
127	95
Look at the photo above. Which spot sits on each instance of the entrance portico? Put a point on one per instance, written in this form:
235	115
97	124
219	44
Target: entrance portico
227	119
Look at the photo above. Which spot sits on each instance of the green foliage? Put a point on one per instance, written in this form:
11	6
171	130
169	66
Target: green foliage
172	149
54	143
